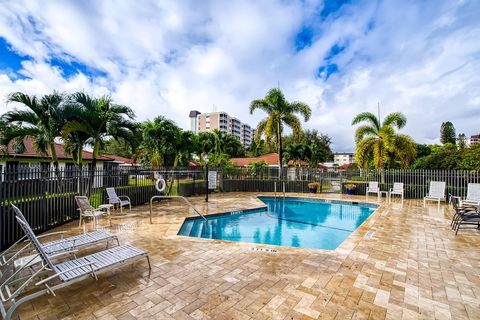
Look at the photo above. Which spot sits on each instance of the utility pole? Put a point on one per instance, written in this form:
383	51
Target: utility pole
379	112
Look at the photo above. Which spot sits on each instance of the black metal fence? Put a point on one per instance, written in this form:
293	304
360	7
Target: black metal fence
47	198
416	182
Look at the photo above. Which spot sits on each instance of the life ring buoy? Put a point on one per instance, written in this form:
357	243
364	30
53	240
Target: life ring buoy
160	184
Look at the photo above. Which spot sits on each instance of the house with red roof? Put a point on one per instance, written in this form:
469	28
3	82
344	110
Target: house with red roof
30	160
271	159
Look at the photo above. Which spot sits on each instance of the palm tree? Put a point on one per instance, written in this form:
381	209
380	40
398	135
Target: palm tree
377	140
96	119
280	113
43	121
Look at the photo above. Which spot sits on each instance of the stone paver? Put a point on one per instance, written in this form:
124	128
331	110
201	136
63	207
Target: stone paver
412	267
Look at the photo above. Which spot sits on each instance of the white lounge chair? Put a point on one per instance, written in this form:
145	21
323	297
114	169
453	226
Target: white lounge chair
17	257
373	188
62	274
436	192
87	210
473	194
117	200
397	189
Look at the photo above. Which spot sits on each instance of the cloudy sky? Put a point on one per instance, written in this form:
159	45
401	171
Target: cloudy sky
167	57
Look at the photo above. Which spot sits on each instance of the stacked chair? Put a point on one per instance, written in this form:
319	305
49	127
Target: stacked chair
464	215
43	268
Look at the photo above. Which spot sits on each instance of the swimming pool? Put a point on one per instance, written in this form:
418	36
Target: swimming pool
294	222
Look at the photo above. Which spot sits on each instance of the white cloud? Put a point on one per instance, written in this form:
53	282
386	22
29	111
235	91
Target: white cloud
165	58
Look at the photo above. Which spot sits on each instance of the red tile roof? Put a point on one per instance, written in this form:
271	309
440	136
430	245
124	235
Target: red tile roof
30	152
271	159
119	159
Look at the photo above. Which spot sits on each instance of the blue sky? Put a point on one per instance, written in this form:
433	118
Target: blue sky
341	57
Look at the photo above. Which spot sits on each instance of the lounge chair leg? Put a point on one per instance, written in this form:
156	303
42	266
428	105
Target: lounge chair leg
149	265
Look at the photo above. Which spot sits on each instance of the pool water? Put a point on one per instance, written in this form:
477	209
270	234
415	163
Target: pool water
294	222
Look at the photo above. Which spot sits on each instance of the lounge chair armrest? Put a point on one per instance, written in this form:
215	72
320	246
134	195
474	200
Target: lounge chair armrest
127	197
61	233
65	271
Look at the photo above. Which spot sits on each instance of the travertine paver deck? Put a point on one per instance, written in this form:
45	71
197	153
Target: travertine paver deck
413	267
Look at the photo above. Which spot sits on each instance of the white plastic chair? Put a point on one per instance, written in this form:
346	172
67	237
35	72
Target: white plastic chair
117	200
397	189
436	192
87	211
473	194
372	188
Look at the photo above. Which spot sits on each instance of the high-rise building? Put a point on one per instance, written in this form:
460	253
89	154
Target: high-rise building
204	122
194	120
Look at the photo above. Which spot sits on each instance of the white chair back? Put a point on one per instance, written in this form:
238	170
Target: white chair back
31	236
84	204
112	196
437	189
372	185
473	192
397	187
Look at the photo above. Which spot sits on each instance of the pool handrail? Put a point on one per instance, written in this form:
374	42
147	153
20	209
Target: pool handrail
168	197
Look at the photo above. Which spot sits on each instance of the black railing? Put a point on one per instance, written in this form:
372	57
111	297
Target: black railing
48	198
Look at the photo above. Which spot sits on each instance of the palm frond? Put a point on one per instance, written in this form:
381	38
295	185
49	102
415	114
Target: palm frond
367	117
365	131
302	108
396	119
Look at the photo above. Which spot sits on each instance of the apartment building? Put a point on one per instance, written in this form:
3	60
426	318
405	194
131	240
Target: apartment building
204	122
341	158
473	140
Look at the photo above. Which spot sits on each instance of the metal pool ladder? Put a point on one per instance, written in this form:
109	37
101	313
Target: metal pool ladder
168	197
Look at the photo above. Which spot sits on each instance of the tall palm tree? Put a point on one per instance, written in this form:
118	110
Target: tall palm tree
280	113
96	119
43	121
378	140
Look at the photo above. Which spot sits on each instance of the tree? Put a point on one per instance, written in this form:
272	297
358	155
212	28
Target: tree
280	112
446	157
160	137
256	168
470	159
447	133
97	119
256	148
298	152
43	121
378	141
319	145
228	144
462	141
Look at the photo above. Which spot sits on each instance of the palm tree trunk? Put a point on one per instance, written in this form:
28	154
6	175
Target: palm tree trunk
56	167
91	182
172	179
280	153
79	174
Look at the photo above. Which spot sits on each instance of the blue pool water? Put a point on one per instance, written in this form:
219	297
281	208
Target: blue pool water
294	222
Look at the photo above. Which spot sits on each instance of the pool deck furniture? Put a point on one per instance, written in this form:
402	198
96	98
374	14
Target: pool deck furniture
115	200
368	277
372	188
436	192
19	257
468	215
473	194
88	211
397	189
62	274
